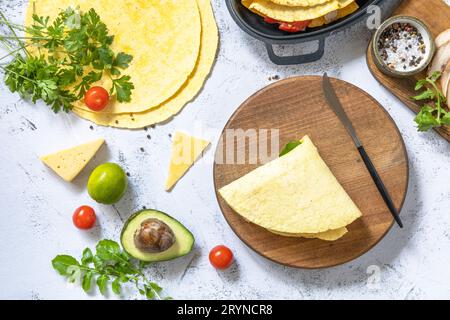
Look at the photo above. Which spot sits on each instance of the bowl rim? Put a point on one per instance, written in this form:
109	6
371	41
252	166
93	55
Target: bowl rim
383	27
302	36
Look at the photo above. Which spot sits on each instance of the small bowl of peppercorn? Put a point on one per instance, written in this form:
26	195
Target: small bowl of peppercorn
403	46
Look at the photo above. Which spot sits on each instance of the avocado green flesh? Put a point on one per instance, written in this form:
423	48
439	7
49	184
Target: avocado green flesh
182	246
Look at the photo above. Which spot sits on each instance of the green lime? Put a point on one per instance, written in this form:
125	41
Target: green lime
107	183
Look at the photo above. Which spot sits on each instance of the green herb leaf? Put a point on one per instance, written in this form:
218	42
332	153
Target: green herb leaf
109	250
428	94
431	117
64	263
68	47
122	60
116	286
446	118
123	87
420	84
155	287
102	282
149	293
426	120
87	281
87	257
289	147
110	262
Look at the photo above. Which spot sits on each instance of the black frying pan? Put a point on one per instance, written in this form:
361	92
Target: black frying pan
255	26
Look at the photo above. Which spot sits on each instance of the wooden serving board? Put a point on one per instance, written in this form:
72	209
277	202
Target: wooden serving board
436	14
297	107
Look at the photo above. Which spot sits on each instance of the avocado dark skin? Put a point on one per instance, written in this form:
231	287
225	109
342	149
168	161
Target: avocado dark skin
154	236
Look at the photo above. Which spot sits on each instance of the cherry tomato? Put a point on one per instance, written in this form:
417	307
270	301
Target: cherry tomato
84	218
221	257
96	98
294	26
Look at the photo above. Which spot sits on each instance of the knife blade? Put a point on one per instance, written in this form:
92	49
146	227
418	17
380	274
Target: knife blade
336	106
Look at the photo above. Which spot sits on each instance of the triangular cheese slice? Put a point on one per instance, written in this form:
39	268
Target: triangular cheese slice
185	151
294	194
69	163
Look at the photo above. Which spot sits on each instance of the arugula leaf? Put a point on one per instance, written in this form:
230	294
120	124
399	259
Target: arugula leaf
431	115
63	263
446	119
110	262
87	281
116	286
108	250
102	282
87	257
428	94
289	147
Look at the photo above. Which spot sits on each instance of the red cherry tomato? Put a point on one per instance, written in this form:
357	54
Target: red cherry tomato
84	218
96	98
221	257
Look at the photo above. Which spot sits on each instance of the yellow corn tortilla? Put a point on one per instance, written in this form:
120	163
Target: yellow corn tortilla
162	35
299	3
191	88
278	12
331	235
294	194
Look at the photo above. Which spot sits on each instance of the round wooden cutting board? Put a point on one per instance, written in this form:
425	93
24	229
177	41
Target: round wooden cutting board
297	107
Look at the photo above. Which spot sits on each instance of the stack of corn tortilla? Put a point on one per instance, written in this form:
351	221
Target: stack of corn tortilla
320	12
173	43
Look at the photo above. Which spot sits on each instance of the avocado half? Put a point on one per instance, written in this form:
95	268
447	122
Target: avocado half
184	240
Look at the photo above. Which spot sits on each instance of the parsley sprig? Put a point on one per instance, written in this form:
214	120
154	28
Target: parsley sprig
70	54
433	114
109	266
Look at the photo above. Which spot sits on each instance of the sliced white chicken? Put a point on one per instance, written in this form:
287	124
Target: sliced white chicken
442	38
448	95
445	80
440	60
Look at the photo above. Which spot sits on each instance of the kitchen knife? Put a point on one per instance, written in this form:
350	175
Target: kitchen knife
336	105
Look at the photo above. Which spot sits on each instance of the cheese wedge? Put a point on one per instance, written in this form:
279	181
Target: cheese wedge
294	194
69	163
185	151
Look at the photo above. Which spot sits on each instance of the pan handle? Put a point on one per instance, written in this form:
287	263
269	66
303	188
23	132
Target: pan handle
300	59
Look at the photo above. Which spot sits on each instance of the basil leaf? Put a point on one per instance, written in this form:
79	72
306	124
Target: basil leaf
289	147
63	264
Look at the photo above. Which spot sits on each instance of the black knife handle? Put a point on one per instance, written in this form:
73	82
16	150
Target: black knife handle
380	185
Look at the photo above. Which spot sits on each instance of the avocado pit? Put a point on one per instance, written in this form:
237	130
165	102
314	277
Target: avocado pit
154	236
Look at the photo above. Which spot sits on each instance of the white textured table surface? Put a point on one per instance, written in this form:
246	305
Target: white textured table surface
36	206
